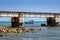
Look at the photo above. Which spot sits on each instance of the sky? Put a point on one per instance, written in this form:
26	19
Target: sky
30	5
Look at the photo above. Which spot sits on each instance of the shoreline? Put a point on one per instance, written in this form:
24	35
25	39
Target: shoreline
19	30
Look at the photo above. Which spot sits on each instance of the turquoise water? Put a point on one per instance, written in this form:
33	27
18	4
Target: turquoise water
36	24
40	22
8	23
5	23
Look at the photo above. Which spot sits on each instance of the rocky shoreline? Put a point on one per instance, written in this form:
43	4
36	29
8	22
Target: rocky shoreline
4	30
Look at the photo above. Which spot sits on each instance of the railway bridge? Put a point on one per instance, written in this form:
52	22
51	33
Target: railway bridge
17	18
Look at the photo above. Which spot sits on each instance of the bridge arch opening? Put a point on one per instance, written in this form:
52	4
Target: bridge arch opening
35	22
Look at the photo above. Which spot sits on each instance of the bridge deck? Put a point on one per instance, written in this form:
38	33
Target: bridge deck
27	14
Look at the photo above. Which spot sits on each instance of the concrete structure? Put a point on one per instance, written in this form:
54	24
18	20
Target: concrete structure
18	17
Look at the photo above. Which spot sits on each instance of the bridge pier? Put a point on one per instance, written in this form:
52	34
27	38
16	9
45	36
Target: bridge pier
21	19
15	22
51	21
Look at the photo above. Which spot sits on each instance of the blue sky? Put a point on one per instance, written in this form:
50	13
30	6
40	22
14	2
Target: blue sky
30	5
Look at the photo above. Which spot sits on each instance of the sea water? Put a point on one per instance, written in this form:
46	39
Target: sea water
36	24
46	33
5	23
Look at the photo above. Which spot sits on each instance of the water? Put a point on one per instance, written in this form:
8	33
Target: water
5	23
36	24
50	33
47	33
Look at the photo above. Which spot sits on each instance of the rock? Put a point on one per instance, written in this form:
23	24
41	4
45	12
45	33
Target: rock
16	30
32	30
1	35
39	29
1	31
20	31
43	24
13	30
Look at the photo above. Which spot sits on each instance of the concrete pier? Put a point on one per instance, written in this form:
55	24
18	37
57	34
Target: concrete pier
15	22
51	21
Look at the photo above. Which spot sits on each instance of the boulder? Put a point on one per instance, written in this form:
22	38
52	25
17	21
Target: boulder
43	24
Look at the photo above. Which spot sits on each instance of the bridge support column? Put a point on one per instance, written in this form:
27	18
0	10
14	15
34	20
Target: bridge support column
15	22
21	19
51	21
